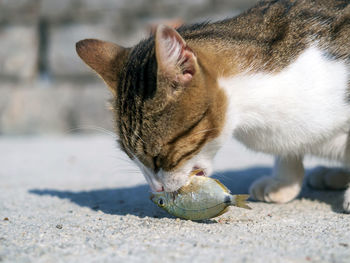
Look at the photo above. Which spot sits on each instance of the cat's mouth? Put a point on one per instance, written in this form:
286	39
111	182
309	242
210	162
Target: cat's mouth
198	171
156	187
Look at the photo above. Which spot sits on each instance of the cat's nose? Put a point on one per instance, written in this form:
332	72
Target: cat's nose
156	186
152	181
161	189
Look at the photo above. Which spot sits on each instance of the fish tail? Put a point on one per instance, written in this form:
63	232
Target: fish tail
241	201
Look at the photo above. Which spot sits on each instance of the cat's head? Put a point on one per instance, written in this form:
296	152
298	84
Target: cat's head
169	111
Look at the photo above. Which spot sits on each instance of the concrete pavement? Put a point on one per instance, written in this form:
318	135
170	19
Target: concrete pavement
78	199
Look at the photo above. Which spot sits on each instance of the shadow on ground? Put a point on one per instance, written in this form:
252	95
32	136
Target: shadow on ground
118	201
135	200
238	181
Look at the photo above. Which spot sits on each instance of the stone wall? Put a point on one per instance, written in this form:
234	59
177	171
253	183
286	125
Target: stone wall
44	87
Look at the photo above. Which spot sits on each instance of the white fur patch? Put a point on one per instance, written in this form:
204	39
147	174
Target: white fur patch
292	111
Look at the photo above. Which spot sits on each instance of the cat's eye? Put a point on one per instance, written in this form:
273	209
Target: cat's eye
156	163
161	202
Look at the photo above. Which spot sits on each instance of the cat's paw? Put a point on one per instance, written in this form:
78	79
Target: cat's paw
346	203
329	178
270	189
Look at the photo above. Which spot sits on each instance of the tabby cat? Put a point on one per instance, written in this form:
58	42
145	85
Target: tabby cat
275	77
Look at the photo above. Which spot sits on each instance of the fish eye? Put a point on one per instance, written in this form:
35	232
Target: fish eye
161	202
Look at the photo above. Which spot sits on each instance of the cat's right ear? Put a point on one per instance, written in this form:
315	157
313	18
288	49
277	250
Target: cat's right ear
176	61
105	58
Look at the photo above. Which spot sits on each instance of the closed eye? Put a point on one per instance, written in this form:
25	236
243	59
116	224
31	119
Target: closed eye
190	129
191	152
156	164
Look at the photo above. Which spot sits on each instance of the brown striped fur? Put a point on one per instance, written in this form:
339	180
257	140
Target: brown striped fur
164	123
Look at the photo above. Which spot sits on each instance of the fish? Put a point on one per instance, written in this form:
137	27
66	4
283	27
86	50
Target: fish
202	198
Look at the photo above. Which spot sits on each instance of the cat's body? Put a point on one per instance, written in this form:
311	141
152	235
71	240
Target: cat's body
277	78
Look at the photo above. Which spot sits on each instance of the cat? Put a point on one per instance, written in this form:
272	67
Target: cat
275	77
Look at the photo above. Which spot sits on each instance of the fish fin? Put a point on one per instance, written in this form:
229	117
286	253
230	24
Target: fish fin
222	185
222	212
241	201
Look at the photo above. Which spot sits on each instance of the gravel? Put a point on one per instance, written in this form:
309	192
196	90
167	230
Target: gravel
78	199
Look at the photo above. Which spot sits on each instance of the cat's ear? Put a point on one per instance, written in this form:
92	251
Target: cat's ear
175	59
105	58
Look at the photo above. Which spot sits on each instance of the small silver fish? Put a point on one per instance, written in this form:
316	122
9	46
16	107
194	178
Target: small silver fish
202	198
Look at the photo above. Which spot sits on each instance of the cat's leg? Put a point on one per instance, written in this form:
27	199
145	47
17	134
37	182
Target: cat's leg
329	178
285	183
346	202
334	178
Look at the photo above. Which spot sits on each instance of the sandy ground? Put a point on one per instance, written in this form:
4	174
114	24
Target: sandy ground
78	199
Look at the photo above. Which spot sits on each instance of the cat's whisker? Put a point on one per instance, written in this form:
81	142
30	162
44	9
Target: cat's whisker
95	128
128	162
128	168
138	171
123	157
129	172
223	175
139	137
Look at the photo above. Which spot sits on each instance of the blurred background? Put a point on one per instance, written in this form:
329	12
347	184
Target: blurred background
44	87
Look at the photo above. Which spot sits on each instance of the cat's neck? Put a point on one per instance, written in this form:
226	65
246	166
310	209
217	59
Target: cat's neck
226	59
219	63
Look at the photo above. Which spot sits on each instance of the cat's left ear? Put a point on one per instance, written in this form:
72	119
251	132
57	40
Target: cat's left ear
176	61
105	58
